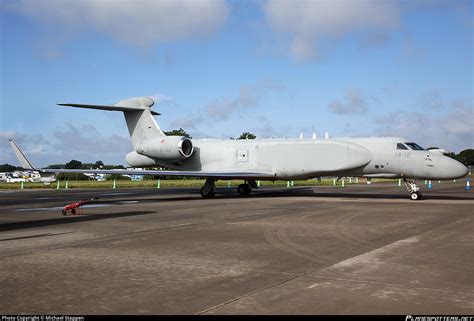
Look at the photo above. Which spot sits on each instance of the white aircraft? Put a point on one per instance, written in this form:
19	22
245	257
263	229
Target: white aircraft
266	159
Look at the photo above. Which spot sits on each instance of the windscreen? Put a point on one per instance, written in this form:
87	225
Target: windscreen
414	146
401	146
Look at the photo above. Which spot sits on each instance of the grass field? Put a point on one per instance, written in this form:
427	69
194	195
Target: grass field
198	183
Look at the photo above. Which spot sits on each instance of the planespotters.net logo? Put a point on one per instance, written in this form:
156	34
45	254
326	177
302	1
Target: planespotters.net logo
438	318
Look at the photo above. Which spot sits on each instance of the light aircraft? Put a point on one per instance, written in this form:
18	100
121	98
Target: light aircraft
265	159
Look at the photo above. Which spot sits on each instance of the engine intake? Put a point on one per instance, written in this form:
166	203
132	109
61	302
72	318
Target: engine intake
169	148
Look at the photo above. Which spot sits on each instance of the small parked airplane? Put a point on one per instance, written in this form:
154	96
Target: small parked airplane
266	159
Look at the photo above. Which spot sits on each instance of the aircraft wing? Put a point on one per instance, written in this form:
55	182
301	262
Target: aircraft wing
217	174
25	163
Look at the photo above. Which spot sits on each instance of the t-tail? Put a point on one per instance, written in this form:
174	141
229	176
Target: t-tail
138	115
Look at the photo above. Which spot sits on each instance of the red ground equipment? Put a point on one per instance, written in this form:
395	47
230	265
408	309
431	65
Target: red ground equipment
75	208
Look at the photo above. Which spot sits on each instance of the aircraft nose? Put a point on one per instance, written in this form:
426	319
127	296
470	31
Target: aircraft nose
450	168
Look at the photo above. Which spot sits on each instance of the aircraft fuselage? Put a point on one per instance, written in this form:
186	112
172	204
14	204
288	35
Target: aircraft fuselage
292	159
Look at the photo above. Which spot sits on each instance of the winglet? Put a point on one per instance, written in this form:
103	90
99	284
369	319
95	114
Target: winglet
25	163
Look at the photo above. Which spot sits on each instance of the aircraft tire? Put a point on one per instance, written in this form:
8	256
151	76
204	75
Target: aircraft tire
244	189
209	194
415	196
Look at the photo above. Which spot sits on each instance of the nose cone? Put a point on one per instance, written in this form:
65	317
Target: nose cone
449	168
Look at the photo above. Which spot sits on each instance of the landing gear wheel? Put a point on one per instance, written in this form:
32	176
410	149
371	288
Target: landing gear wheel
415	196
207	194
244	189
413	190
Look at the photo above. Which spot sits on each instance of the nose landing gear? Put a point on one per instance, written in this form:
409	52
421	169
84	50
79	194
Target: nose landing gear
413	190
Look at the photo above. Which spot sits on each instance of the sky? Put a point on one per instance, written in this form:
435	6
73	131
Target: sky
218	68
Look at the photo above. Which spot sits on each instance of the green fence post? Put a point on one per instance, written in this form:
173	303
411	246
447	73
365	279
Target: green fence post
114	184
67	185
287	183
57	185
158	184
21	185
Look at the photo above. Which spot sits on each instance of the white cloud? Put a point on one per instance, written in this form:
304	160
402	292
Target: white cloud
249	97
452	130
354	103
140	23
308	22
81	142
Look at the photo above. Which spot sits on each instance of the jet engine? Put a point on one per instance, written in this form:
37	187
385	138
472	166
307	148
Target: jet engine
168	148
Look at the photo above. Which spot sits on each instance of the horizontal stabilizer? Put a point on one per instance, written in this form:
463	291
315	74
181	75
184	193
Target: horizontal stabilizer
109	108
131	104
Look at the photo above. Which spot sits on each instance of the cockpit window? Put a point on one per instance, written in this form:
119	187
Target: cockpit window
415	146
401	146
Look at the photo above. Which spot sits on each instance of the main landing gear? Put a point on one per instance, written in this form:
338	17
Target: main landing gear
246	189
415	194
209	188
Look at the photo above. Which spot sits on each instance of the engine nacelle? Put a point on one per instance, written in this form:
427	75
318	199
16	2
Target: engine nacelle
167	148
136	160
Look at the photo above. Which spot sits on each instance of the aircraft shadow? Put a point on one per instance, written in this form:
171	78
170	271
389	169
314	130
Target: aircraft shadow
67	220
300	192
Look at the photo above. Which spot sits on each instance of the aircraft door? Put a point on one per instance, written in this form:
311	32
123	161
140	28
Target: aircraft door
388	160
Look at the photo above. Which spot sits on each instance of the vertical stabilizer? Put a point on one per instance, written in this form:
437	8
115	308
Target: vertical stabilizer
138	115
141	124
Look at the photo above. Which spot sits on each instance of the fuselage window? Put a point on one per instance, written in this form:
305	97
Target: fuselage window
401	146
415	146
